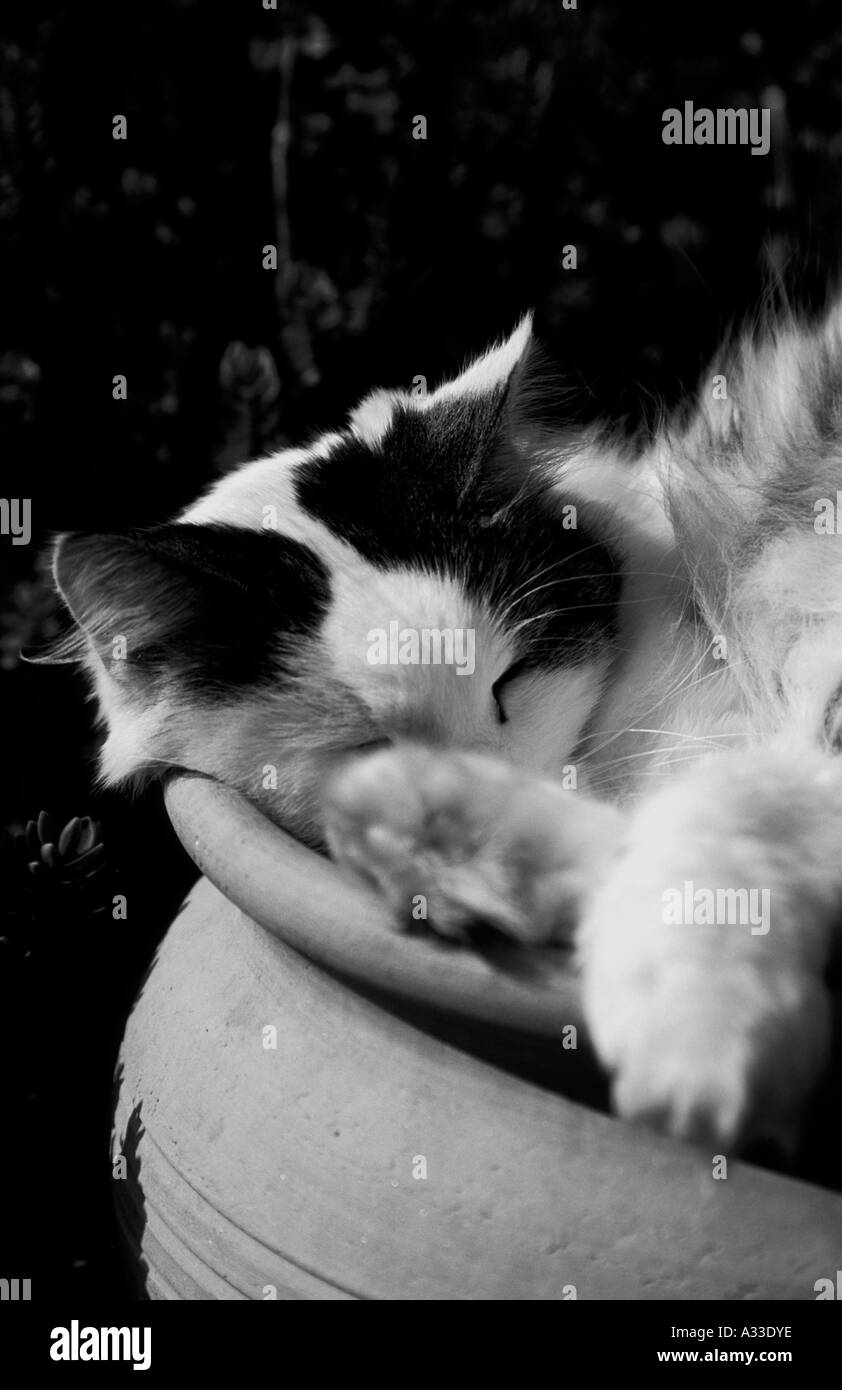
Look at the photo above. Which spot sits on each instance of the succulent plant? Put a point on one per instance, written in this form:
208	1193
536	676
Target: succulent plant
61	869
73	857
250	389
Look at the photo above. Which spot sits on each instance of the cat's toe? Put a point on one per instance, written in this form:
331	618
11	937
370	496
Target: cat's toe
699	1094
410	821
705	1049
460	839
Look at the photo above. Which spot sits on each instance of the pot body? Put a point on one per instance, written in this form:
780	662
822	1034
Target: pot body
287	1138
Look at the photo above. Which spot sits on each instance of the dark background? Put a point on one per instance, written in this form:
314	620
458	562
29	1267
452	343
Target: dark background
397	257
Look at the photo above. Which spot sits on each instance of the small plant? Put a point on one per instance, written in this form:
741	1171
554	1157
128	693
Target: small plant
73	860
51	875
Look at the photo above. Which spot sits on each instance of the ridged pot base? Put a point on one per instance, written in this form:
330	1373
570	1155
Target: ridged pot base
352	1154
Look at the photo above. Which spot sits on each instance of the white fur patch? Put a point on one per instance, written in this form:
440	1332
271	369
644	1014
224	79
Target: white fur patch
488	372
371	419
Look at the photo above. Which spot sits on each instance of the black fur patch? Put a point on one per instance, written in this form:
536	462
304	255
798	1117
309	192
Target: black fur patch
438	496
211	605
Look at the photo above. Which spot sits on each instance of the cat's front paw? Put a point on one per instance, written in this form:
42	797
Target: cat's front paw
471	838
703	952
720	1047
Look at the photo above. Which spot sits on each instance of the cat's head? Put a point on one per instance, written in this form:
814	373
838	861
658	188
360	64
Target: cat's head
425	573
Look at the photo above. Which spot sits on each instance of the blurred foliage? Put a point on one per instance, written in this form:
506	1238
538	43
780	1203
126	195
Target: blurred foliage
250	391
294	127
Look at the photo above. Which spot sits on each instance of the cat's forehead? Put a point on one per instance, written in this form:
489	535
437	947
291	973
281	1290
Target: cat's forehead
401	468
418	499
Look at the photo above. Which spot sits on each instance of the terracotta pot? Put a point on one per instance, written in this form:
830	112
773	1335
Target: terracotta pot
394	1142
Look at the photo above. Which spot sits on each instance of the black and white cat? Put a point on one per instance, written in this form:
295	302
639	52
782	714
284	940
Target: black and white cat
648	727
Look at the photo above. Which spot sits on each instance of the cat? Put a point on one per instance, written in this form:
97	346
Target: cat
654	710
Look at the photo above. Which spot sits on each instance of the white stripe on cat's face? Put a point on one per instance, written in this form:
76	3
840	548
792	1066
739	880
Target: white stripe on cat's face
450	702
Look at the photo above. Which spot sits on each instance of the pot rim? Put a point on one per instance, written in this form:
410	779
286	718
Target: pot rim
302	897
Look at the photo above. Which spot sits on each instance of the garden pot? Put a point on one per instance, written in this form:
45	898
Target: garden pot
312	1106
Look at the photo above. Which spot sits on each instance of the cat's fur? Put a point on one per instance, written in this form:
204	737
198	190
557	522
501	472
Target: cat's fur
681	648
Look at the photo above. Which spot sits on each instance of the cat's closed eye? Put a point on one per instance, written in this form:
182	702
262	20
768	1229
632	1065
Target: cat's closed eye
833	720
372	745
499	687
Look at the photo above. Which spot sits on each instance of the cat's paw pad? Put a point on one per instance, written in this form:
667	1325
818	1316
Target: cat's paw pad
470	836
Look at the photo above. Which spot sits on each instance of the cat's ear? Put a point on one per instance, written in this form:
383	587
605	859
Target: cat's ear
121	588
508	382
206	603
499	372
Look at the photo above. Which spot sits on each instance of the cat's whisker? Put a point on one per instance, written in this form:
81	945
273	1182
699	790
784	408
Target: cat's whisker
559	612
577	578
558	563
669	695
643	753
677	733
